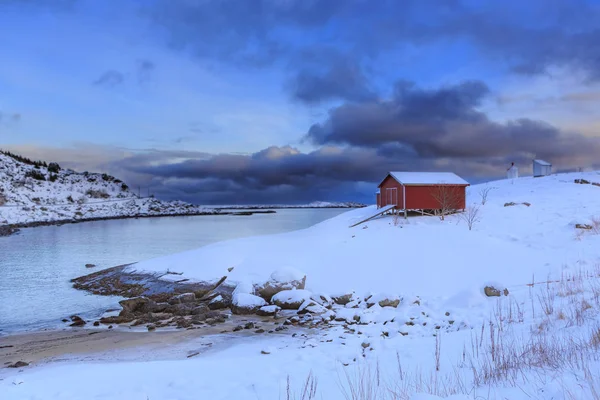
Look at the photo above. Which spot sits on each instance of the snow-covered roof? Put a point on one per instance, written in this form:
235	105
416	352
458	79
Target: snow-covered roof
427	178
542	162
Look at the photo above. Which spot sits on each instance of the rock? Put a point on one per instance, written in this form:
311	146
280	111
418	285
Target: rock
77	321
151	328
18	364
184	298
259	331
311	306
249	325
122	318
238	328
65	320
510	204
182	309
265	352
138	305
268	311
583	226
245	303
96	323
365	345
582	181
291	299
343	299
219	303
90	265
286	278
491	291
383	300
201	309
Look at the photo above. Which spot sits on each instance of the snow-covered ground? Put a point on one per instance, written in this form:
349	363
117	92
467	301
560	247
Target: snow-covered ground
445	339
30	194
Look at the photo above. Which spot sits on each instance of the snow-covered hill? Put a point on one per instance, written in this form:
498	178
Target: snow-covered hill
415	323
36	193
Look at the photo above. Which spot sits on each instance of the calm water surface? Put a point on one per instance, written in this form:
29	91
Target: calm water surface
37	264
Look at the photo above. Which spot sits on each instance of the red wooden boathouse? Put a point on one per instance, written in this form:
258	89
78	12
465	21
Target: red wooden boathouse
422	191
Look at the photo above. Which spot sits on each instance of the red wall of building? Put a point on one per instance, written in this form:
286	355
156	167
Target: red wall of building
420	197
396	193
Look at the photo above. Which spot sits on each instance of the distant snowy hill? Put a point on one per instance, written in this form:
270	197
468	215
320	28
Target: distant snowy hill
36	192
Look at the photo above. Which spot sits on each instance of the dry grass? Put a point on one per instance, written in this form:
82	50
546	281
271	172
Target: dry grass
501	353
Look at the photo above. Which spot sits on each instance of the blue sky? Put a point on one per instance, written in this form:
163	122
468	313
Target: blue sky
299	100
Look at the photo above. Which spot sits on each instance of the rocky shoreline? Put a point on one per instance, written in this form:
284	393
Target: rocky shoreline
159	303
9	229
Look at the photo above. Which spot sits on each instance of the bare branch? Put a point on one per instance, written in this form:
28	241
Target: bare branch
484	194
448	198
470	216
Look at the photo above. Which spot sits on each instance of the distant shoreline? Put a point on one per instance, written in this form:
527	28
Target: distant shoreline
9	229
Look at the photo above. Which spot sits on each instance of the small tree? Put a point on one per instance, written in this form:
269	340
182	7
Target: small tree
484	194
470	216
448	198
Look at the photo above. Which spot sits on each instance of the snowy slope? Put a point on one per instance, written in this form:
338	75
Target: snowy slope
422	255
542	341
30	194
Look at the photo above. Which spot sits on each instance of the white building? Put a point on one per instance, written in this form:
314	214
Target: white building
512	172
541	168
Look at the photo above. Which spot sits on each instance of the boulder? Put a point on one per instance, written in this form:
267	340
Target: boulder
183	298
182	309
291	299
77	321
123	318
18	364
200	309
268	311
245	303
343	299
219	303
383	300
286	278
491	291
138	305
311	307
90	265
583	226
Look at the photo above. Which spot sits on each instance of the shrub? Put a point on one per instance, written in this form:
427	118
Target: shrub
53	177
34	174
53	167
97	194
70	199
124	187
107	177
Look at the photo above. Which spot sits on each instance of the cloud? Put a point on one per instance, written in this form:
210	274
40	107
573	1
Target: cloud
446	123
526	38
110	79
327	75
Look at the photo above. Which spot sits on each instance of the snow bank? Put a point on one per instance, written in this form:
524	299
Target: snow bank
421	256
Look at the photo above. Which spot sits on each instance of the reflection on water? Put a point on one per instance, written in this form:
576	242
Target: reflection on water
37	264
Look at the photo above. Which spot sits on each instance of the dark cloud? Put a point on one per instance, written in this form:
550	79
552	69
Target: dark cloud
328	75
446	123
110	79
526	37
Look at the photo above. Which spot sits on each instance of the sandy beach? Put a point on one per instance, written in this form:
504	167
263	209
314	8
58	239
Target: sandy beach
113	344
